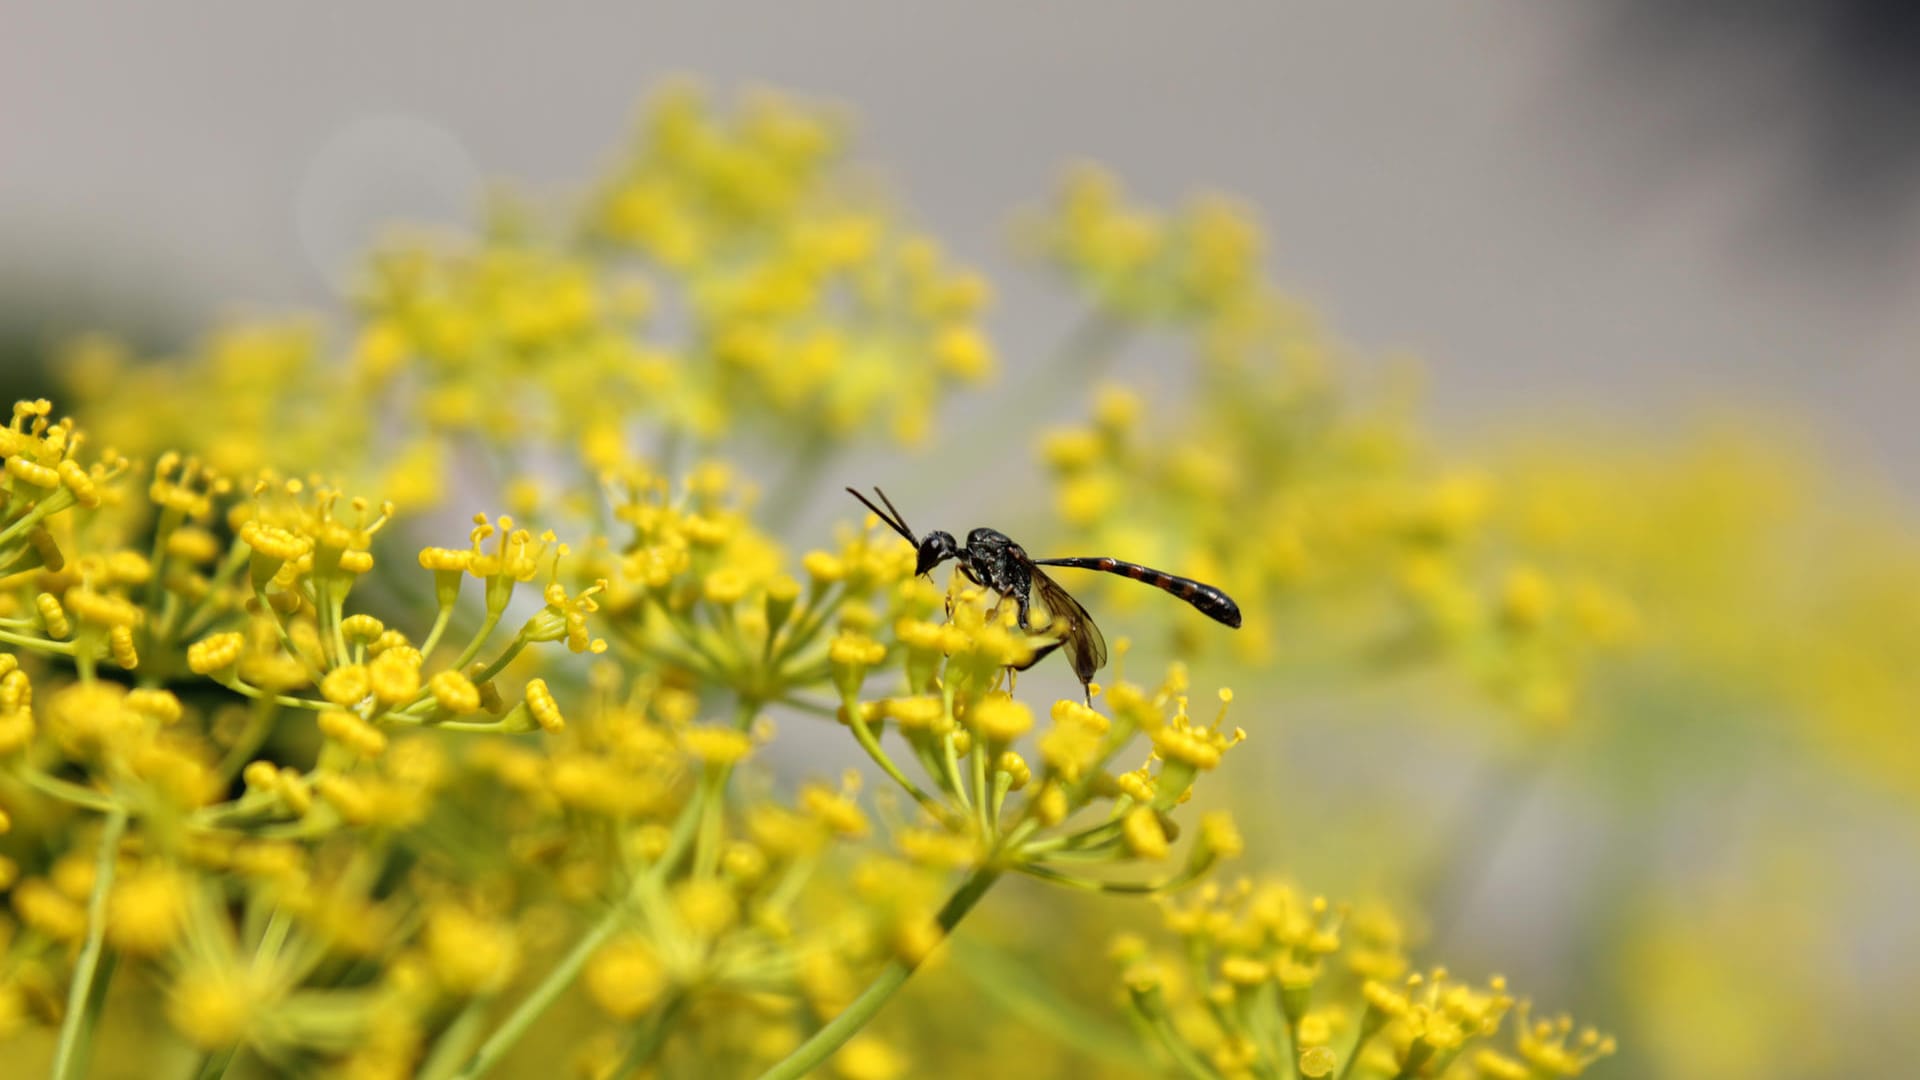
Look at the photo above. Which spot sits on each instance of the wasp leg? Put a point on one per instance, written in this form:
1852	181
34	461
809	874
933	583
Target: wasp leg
1038	655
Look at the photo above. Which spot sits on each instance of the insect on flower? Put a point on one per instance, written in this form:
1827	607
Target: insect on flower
993	561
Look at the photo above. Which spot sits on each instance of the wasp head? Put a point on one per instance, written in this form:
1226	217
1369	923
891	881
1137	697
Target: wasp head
935	548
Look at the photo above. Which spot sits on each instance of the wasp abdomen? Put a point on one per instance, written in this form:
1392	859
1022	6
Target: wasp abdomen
1208	600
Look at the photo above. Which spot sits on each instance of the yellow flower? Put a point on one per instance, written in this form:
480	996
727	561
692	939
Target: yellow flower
346	686
836	810
707	908
1144	834
470	954
394	676
48	910
351	731
214	653
216	1006
867	1058
147	910
999	719
625	978
716	745
454	691
545	710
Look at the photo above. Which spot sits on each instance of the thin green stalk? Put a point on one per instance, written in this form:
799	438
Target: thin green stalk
66	790
1293	1033
96	1005
1500	790
1183	1055
27	641
487	626
215	1064
857	1015
45	508
456	1042
977	761
712	785
541	997
1125	888
440	620
286	637
259	725
500	662
863	734
233	683
79	995
169	520
1359	1043
650	1038
709	833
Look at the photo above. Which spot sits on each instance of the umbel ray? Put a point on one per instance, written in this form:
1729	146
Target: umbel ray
991	560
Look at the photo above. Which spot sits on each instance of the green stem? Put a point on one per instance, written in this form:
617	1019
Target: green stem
649	1040
500	662
96	1005
480	636
45	508
863	734
711	786
79	994
456	1042
67	791
215	1064
259	725
1183	1055
1360	1040
542	996
977	760
440	621
286	637
1477	834
1126	888
233	683
878	992
26	641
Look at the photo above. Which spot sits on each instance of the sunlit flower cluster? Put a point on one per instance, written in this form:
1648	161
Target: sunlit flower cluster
1717	535
350	785
734	276
1264	980
1304	487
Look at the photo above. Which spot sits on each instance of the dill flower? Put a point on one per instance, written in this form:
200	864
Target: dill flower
1267	979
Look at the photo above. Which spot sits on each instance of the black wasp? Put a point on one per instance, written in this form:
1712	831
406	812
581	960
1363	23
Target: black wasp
991	560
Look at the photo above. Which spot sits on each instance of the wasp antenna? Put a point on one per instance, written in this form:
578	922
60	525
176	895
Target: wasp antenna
893	521
899	518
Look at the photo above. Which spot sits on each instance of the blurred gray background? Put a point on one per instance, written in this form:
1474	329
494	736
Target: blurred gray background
1610	209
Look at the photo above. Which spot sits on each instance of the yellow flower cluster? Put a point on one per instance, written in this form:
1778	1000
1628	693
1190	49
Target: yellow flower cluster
994	794
1713	531
1137	264
1269	981
814	306
359	798
732	277
252	396
1275	474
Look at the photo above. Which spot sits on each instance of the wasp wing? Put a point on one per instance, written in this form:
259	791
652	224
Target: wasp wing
1066	619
